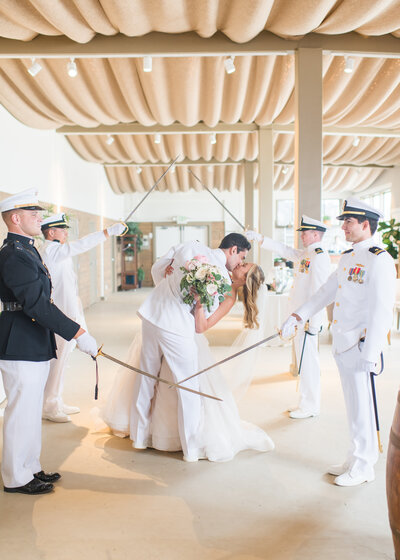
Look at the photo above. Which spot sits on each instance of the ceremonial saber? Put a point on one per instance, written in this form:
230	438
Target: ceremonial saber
374	400
152	188
263	341
137	370
217	199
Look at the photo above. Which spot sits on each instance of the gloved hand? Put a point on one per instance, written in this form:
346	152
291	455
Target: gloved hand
366	365
254	236
116	229
288	328
312	330
87	343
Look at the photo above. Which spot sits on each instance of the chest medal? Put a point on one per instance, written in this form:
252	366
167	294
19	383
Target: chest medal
304	265
357	274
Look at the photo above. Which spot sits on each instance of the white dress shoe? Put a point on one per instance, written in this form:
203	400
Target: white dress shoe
70	409
190	458
339	469
139	445
57	417
347	479
299	414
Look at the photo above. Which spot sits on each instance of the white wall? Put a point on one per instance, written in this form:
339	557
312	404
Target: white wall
196	206
45	160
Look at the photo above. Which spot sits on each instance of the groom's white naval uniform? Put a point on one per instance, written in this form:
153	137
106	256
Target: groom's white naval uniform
168	330
363	291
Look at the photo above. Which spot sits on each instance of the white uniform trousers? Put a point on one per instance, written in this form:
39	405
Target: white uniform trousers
310	374
52	402
181	355
22	428
356	384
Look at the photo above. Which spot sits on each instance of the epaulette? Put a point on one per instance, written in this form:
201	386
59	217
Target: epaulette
376	250
318	250
348	251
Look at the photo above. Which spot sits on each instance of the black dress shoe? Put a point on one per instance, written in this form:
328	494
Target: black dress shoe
35	486
47	477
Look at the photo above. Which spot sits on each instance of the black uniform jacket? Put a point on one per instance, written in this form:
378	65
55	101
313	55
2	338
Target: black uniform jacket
28	335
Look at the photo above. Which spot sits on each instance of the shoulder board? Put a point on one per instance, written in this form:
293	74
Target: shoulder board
376	250
348	251
318	250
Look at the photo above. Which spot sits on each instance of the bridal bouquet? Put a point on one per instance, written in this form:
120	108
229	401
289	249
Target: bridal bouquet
206	279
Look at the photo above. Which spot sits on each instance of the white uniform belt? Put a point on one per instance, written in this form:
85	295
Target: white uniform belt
11	306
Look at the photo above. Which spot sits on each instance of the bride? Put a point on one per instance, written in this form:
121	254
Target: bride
222	434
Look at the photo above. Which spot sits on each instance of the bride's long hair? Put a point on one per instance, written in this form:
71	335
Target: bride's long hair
254	279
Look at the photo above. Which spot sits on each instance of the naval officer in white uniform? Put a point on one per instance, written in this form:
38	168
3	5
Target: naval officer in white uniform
363	291
168	330
311	269
57	255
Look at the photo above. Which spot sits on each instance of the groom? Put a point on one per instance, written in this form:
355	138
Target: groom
168	330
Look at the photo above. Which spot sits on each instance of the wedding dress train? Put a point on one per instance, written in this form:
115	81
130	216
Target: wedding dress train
221	435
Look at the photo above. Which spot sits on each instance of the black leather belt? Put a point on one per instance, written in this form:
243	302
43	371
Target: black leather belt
11	306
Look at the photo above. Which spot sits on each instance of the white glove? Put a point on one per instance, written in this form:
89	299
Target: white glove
288	328
254	236
313	330
116	229
86	343
366	365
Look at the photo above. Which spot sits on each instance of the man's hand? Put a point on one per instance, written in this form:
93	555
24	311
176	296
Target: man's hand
254	236
87	343
116	229
366	365
289	327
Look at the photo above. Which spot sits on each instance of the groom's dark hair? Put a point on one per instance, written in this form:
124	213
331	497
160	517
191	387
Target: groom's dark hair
235	240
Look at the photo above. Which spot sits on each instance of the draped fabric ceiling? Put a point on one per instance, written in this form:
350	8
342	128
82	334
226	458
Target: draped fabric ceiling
191	90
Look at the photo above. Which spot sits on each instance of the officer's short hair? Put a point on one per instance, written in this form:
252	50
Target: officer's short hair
235	240
373	224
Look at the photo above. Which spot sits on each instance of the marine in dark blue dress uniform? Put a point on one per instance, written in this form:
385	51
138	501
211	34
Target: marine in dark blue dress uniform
28	322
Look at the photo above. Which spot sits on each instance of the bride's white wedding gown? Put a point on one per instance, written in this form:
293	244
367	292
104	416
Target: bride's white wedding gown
221	435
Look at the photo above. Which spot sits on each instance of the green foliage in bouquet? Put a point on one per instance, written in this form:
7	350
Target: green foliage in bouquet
205	279
391	236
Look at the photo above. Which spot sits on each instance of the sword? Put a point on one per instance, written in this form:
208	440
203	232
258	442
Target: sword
371	375
169	383
217	199
263	341
152	188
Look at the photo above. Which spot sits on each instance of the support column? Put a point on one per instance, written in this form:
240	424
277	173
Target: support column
308	134
266	210
249	221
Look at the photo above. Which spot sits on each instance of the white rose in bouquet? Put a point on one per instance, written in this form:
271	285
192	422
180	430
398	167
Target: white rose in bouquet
201	273
212	289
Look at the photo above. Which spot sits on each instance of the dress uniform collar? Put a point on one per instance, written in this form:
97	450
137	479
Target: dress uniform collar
364	244
24	239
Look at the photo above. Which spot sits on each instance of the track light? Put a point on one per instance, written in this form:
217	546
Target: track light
138	170
173	168
147	64
157	138
213	138
71	68
229	65
348	65
110	139
209	168
35	68
356	141
285	169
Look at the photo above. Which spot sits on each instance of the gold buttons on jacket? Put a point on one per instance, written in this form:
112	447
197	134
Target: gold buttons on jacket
337	304
340	285
335	321
344	268
33	320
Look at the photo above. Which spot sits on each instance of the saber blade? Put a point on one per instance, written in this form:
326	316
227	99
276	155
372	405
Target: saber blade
263	341
217	199
169	383
152	189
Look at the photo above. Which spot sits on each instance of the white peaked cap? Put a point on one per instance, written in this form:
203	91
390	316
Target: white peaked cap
25	200
356	207
55	220
309	223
